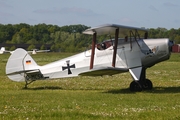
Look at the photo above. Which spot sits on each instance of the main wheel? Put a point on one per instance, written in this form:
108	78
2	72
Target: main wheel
147	85
135	87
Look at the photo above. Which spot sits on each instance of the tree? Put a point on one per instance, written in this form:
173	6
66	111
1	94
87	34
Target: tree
43	47
17	39
31	47
56	48
177	39
32	41
67	38
12	48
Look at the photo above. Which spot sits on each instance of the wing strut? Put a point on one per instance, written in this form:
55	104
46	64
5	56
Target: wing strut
93	51
115	47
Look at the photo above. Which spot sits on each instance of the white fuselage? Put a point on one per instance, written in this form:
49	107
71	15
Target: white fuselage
130	54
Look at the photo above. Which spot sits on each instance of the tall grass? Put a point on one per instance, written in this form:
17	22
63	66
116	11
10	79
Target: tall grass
106	97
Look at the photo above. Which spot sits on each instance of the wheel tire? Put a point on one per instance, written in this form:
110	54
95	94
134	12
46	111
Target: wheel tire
147	85
135	87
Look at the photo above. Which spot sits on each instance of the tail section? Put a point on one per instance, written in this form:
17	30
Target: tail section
20	64
2	48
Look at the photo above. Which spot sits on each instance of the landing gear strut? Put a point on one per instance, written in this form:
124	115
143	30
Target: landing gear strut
142	83
27	83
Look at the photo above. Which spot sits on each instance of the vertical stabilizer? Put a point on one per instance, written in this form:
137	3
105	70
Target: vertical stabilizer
18	64
2	48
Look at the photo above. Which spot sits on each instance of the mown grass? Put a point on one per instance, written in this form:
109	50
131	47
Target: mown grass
89	98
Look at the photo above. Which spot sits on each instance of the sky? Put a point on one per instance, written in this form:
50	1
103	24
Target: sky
92	13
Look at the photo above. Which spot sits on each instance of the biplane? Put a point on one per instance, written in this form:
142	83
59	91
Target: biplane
3	50
35	51
132	53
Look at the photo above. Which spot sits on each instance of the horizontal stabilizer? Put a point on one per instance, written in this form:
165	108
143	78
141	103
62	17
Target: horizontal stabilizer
104	71
23	71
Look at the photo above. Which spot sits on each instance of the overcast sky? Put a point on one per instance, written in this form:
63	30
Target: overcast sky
136	13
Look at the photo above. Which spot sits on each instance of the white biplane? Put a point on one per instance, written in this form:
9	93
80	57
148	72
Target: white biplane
35	51
133	54
3	50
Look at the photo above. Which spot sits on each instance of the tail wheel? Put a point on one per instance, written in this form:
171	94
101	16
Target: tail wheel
147	85
135	87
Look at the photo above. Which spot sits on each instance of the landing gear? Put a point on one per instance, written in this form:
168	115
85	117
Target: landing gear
31	77
147	85
135	86
27	83
142	83
138	86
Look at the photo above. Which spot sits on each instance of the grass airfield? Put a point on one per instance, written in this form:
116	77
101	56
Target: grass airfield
86	98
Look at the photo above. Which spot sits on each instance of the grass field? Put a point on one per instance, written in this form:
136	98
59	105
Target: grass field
101	98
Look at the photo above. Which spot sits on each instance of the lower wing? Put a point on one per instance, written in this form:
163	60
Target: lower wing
104	71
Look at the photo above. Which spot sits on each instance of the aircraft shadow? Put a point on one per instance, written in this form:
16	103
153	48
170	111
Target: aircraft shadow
159	90
44	88
120	91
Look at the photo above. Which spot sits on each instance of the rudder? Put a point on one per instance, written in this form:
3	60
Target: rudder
18	64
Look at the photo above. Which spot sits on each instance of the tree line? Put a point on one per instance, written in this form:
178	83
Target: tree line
67	38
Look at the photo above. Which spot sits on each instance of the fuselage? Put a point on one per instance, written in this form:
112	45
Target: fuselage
130	54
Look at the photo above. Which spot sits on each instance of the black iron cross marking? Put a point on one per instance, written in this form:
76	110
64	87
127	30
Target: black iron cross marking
68	67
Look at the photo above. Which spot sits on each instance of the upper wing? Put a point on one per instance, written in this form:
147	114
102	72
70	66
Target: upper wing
110	29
